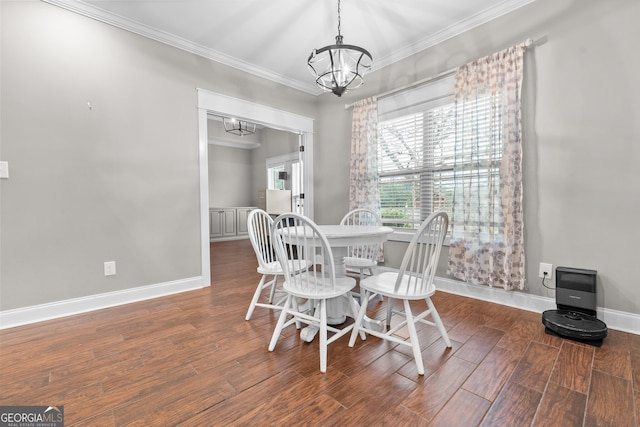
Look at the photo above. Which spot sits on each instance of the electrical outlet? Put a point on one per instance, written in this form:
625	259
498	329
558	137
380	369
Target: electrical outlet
109	268
545	268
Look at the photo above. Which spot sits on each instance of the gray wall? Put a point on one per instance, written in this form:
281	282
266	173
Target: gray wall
581	133
117	182
230	177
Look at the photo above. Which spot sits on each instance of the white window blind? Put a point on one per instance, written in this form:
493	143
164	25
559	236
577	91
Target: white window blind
416	154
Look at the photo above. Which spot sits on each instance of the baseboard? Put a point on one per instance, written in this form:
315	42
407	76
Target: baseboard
228	238
618	320
54	310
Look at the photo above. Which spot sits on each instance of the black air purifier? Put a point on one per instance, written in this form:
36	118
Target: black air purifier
575	318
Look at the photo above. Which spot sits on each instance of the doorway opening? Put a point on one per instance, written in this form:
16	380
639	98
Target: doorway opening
212	103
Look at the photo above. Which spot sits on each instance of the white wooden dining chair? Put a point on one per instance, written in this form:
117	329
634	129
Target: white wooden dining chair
259	227
363	256
413	282
298	237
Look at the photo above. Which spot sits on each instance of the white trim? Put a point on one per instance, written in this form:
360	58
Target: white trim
203	158
618	320
224	105
54	310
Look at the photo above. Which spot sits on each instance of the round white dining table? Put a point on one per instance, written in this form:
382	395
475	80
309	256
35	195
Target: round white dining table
340	237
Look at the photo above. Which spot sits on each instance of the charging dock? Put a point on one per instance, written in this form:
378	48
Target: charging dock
575	317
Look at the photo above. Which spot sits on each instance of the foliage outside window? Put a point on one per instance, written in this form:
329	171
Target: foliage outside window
415	162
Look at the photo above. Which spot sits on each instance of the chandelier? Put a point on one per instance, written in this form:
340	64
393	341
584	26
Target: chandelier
238	127
339	66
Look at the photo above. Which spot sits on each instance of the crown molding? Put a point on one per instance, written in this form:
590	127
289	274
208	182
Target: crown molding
82	8
98	14
461	27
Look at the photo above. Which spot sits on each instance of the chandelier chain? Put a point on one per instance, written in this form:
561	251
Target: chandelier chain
339	17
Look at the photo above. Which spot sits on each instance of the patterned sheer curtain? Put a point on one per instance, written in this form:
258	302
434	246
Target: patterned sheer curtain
487	225
363	187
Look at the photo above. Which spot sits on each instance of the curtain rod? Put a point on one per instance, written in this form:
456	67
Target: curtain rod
527	43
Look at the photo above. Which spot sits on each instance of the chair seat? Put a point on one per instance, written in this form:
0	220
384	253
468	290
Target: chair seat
341	286
356	262
274	268
384	284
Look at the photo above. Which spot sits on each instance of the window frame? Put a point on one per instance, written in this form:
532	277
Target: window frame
436	94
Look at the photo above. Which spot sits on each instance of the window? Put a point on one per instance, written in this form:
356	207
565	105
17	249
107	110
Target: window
273	174
416	154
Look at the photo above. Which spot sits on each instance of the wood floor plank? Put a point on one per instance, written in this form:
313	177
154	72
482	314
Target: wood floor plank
401	416
433	357
313	392
467	326
519	335
359	387
434	393
535	367
244	406
501	317
479	345
561	406
573	367
614	361
311	413
494	371
464	409
610	401
104	419
170	405
515	406
387	393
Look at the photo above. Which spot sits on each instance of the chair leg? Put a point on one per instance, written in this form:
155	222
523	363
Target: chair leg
364	301
438	322
355	309
413	336
296	307
256	296
281	319
390	302
274	285
323	335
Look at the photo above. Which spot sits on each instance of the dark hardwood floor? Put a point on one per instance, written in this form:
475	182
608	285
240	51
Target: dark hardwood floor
191	359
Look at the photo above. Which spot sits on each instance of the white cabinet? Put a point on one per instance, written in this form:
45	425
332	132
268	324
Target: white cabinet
222	222
241	221
228	223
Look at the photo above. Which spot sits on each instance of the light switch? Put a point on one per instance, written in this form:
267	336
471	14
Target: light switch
4	169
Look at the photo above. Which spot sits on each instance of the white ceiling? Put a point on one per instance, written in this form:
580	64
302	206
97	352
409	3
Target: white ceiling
273	39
